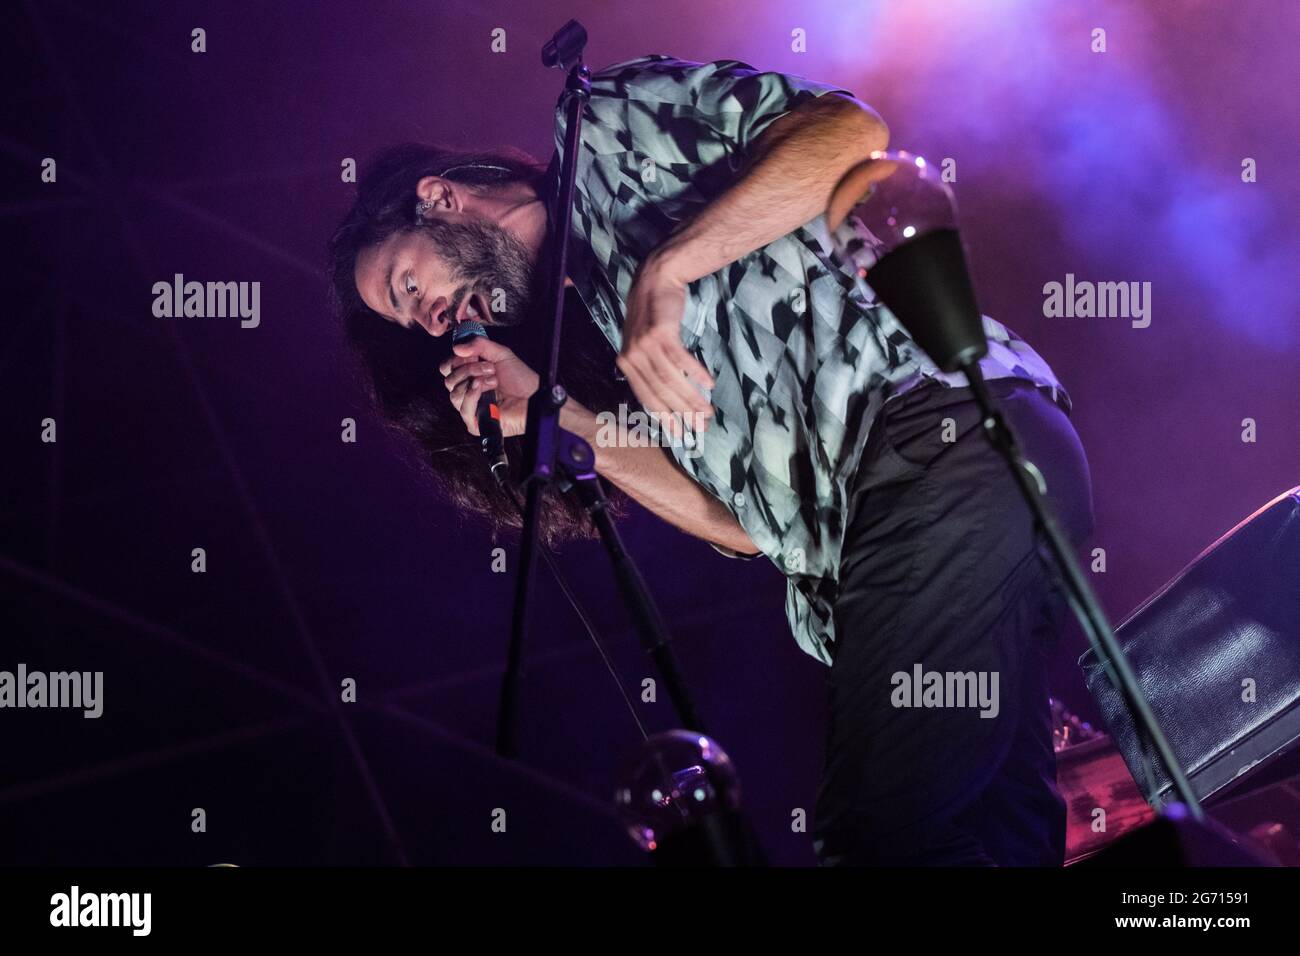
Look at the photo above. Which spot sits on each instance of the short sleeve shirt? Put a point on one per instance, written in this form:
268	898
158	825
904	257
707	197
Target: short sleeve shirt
802	356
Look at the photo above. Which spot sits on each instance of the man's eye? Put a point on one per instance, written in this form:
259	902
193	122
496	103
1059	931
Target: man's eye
410	285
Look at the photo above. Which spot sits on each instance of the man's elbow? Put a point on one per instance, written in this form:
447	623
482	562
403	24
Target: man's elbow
864	127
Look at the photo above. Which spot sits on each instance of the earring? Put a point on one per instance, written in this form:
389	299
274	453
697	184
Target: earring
422	208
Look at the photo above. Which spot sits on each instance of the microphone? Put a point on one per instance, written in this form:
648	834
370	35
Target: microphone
893	220
487	412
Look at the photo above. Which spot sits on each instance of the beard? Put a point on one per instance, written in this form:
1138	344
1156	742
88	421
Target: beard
491	262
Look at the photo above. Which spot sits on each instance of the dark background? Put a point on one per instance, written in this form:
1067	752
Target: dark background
329	560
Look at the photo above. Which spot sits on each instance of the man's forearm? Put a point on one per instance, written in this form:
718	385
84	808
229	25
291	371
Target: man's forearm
648	475
793	166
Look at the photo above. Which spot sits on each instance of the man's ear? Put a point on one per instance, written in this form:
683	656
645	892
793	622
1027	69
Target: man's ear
441	192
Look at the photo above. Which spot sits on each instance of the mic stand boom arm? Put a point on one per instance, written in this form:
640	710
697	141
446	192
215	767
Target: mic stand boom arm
926	284
1082	599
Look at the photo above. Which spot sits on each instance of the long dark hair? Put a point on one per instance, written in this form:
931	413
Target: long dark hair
398	367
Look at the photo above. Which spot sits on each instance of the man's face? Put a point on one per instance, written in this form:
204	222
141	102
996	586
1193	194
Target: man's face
441	273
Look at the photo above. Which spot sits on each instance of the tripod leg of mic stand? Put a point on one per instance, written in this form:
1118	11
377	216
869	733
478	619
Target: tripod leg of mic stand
645	614
506	743
728	839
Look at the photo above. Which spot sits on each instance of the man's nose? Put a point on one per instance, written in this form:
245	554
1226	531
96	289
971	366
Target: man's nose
439	322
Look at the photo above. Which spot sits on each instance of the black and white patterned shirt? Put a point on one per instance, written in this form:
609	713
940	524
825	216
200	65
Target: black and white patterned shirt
801	360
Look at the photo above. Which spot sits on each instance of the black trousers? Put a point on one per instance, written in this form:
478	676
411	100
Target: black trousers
942	574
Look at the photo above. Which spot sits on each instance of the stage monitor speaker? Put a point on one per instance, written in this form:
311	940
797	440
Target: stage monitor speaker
1217	653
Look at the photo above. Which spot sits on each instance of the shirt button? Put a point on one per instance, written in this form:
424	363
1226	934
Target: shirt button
739	499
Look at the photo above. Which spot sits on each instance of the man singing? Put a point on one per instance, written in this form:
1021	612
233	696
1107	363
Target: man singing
817	433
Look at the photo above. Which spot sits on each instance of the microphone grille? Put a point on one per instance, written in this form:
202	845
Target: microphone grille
467	330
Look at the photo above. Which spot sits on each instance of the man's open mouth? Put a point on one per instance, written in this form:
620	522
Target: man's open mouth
472	309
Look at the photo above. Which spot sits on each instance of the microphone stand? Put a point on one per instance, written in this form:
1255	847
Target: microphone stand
543	420
553	456
1082	598
926	284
